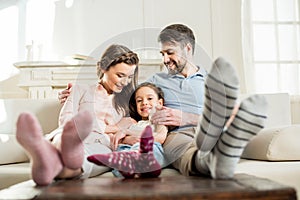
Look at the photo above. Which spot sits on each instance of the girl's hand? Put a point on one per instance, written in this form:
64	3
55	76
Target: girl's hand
131	139
116	138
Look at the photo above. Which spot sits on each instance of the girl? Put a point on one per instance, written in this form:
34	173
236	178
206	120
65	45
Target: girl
138	159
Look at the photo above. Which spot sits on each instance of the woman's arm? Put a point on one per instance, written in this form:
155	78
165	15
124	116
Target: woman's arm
123	124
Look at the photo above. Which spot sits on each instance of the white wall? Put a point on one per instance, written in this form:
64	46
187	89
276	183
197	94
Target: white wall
88	26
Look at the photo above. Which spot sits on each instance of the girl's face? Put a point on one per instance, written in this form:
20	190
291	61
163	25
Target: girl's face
117	77
146	99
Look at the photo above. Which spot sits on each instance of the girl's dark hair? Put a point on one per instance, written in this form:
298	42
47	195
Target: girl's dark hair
132	103
112	56
177	33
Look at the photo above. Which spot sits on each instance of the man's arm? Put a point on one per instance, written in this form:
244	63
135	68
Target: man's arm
63	95
173	117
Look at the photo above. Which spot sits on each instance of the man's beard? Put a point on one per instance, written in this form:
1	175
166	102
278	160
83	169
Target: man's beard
177	70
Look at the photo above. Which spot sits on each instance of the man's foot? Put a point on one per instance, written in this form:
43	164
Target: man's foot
46	162
131	163
221	92
249	120
74	132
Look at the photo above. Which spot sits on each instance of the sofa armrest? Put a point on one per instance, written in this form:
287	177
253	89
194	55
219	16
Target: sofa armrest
275	144
10	150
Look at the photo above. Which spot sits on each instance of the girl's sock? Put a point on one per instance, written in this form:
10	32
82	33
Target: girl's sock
132	163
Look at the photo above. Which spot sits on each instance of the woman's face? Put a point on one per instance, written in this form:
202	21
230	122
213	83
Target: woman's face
146	99
117	77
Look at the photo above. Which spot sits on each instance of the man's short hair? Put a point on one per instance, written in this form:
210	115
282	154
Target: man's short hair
177	33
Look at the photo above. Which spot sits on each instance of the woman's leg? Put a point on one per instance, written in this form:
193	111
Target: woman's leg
49	160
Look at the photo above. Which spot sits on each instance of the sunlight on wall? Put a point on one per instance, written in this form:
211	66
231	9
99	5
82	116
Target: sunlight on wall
8	41
39	29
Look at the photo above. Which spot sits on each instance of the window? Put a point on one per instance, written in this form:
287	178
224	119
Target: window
24	22
271	43
8	40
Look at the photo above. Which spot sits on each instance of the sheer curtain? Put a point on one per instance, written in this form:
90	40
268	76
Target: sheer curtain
271	45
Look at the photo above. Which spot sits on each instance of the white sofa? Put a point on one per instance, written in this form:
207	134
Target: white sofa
273	154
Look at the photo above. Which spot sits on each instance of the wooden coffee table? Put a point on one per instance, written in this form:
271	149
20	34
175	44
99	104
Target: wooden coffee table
175	187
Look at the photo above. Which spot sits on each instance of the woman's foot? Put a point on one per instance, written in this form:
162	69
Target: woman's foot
74	132
45	159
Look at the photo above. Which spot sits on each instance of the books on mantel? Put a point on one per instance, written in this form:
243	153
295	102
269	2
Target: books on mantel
82	57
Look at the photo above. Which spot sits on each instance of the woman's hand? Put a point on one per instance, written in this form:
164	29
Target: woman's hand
63	95
125	123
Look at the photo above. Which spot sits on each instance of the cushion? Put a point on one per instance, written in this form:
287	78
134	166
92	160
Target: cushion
10	150
275	144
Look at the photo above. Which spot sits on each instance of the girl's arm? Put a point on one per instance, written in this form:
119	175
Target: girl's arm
160	133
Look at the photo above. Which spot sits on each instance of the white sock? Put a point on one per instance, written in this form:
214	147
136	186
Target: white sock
248	122
221	92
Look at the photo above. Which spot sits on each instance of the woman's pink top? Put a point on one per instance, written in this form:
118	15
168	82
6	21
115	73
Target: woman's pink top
93	98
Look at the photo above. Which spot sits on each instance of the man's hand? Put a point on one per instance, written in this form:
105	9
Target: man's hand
63	95
173	117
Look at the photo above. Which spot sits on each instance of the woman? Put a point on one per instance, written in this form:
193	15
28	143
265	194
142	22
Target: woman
87	118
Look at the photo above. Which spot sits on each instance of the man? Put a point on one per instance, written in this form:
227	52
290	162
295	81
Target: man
198	145
203	138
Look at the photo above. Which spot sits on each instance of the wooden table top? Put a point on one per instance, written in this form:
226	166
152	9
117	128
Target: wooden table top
174	187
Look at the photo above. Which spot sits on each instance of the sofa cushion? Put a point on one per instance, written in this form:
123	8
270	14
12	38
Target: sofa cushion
10	150
275	144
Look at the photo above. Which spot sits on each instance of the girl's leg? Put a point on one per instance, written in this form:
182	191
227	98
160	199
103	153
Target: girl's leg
131	163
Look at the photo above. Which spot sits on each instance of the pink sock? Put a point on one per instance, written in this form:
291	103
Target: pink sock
46	162
74	132
131	163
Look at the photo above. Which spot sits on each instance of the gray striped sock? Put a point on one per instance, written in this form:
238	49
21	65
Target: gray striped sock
221	91
248	122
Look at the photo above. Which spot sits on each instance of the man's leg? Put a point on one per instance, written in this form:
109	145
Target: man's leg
222	161
221	92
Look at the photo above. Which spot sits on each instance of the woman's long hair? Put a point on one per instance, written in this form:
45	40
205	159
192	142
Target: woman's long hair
112	56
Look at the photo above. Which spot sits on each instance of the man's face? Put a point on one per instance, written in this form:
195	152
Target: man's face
174	57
